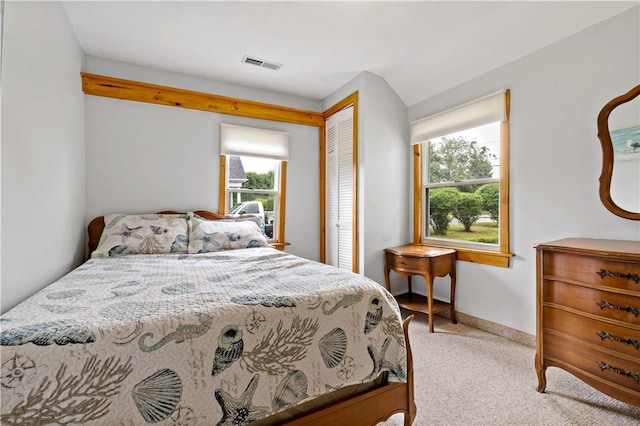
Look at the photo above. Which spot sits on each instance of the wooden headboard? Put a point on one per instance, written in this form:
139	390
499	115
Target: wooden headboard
96	226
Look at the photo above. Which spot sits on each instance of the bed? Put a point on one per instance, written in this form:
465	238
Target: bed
194	319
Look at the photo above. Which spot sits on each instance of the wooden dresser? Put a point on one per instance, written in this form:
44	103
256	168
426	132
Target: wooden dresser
588	313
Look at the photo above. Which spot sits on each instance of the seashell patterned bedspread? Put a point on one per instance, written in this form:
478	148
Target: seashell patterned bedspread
218	338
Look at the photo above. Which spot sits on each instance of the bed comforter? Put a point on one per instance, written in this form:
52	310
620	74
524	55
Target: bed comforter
218	338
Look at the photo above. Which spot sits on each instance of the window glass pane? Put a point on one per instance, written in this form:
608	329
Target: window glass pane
467	155
462	172
252	189
252	173
261	205
455	214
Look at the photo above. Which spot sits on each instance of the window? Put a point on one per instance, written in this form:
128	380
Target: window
253	175
461	180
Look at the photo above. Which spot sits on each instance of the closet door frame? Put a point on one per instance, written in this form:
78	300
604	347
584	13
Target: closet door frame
351	100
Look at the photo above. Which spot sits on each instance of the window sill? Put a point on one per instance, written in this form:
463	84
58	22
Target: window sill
485	257
279	246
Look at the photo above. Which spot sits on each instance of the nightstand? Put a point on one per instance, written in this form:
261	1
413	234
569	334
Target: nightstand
428	262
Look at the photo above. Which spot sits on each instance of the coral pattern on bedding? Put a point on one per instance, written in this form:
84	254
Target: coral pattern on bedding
220	338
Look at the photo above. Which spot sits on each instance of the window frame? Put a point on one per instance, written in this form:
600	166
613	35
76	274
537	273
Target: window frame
467	251
278	236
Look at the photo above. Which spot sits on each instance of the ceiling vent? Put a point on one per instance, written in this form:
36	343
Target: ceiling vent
261	63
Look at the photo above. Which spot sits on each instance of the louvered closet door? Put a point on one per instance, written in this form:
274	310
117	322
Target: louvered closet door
340	189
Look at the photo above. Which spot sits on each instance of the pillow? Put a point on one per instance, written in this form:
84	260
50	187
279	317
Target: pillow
146	233
243	218
217	235
231	218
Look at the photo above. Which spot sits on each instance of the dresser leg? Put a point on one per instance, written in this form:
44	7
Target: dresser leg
541	371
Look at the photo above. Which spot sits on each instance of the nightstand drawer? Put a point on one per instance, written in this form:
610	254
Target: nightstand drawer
406	263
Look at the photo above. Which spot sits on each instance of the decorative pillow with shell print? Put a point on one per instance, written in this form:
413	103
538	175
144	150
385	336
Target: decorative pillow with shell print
216	235
143	234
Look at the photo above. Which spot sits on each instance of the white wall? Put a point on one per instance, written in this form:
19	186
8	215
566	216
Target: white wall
144	158
556	95
43	165
386	164
383	179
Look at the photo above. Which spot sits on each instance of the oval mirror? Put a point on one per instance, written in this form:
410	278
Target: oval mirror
619	134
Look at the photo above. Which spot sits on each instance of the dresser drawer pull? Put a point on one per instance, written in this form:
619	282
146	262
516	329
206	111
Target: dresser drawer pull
630	276
631	309
604	366
402	262
633	342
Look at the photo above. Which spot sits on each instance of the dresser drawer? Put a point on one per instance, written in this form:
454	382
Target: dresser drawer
600	334
603	365
594	271
597	302
405	263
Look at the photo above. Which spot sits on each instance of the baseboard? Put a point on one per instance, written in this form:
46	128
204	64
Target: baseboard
494	328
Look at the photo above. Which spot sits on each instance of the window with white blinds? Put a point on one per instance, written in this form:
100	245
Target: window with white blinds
340	189
461	179
253	174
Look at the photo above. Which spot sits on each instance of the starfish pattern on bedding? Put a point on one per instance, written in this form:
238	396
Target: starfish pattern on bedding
240	411
209	239
379	363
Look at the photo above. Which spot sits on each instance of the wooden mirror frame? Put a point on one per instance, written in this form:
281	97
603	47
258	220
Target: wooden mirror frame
607	154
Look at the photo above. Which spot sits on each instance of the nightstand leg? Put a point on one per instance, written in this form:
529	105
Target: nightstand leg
453	294
429	280
409	284
386	277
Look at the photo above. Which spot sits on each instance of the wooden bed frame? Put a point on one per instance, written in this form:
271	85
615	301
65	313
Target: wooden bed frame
365	408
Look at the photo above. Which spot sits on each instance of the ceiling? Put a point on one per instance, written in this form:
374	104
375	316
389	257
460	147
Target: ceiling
420	48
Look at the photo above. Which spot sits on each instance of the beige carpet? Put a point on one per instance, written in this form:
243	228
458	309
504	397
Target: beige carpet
465	376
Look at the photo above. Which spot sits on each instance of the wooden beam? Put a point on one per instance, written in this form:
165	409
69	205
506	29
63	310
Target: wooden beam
117	88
